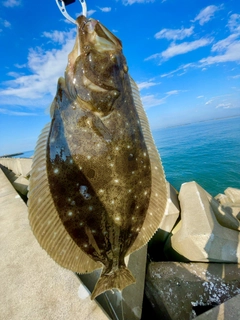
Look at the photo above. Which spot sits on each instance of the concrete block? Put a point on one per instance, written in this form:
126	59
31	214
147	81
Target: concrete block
33	286
25	165
18	166
233	194
222	198
224	214
228	310
21	185
9	174
184	290
200	236
128	304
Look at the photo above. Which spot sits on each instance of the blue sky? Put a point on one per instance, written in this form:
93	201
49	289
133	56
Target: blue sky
184	55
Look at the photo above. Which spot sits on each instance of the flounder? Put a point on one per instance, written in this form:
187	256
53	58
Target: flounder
97	189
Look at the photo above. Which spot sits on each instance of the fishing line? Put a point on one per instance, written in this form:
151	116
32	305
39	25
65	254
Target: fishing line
62	7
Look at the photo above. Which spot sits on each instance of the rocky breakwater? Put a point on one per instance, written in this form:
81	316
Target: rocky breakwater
17	172
199	241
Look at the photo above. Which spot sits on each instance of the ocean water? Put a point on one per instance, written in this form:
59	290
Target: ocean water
205	152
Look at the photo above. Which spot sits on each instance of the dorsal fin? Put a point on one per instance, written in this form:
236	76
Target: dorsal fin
158	198
44	220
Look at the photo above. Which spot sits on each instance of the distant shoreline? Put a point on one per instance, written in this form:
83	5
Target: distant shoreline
11	155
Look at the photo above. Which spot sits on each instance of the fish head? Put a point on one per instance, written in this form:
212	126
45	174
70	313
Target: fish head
96	67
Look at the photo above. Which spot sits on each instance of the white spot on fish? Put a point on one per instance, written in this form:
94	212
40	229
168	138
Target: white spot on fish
144	154
128	147
117	218
111	164
117	148
83	190
133	172
116	180
73	203
56	170
85	245
101	190
156	194
90	208
81	223
112	202
93	231
156	168
88	157
145	193
70	213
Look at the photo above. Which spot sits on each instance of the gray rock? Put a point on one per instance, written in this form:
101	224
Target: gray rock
180	291
199	236
228	310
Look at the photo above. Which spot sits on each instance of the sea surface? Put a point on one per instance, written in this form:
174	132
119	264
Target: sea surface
206	152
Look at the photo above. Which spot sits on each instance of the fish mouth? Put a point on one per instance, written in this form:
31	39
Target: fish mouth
94	33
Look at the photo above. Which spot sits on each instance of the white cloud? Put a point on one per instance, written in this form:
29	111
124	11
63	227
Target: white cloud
16	113
224	43
105	9
224	105
56	36
90	12
209	101
151	101
174	34
206	14
234	23
5	23
37	88
200	97
11	3
20	66
130	2
173	92
184	67
177	49
146	84
231	54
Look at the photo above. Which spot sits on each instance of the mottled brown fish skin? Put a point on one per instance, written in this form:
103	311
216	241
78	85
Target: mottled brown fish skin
97	161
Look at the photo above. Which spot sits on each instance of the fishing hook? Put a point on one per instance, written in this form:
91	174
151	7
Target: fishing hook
62	7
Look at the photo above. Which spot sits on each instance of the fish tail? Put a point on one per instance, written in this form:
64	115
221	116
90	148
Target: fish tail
118	279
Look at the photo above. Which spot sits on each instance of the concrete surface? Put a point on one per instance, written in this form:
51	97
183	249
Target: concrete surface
181	291
233	194
33	286
18	166
21	185
228	310
199	236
